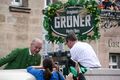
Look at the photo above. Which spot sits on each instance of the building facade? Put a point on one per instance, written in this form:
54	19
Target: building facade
20	22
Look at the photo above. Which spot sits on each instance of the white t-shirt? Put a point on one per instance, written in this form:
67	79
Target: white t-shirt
84	54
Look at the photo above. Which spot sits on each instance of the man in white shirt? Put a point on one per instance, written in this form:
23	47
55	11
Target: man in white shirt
82	52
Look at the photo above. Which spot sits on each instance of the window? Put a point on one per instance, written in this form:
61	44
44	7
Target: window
114	61
16	3
47	2
19	6
19	3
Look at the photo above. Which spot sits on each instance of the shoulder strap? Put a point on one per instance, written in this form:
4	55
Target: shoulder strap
82	68
58	75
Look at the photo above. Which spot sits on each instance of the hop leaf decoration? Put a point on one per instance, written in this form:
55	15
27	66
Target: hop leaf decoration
72	2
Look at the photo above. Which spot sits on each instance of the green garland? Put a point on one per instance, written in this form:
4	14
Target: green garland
91	7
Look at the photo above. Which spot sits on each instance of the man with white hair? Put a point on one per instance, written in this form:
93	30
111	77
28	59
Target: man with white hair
21	58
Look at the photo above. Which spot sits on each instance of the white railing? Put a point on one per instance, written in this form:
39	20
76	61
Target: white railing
18	74
93	74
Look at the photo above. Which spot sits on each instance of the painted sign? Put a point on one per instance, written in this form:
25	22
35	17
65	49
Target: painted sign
113	43
72	20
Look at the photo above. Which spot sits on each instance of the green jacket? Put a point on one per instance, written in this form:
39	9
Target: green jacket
20	59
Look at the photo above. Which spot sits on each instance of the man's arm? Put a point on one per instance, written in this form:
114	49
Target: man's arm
11	56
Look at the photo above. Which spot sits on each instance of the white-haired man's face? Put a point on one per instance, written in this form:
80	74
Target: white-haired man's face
36	46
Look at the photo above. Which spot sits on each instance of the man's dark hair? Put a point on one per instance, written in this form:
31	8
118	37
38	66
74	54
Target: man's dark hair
71	36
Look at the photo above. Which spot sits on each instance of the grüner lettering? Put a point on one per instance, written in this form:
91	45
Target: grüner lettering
72	21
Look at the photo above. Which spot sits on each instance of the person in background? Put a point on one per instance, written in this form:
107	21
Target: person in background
45	72
117	3
107	4
82	53
21	58
114	5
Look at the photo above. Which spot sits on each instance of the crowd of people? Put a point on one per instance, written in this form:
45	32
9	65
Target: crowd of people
83	57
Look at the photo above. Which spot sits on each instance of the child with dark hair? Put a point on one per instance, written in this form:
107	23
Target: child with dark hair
47	64
46	72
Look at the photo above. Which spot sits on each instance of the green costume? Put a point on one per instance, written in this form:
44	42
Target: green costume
20	59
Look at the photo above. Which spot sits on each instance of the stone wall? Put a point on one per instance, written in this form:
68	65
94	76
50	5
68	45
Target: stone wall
17	29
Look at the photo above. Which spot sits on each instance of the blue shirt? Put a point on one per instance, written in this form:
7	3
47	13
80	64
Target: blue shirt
38	73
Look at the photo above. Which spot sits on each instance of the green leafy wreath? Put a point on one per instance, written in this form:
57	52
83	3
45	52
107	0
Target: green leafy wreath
90	7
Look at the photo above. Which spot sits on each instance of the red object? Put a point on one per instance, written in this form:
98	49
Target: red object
101	6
